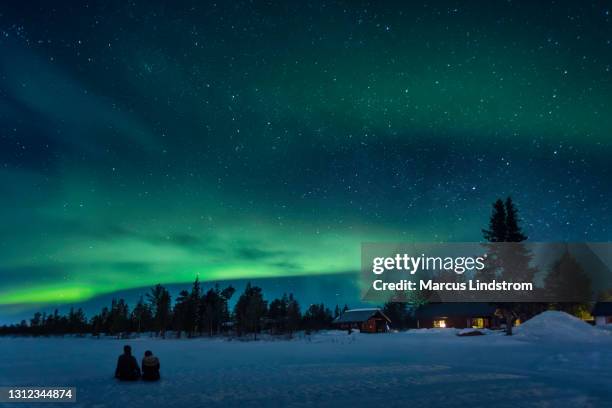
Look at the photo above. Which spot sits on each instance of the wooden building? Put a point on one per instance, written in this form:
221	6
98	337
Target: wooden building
602	312
371	320
458	315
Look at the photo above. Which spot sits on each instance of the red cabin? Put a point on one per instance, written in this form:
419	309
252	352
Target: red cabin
371	320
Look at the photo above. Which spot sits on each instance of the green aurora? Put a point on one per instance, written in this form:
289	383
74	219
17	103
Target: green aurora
147	144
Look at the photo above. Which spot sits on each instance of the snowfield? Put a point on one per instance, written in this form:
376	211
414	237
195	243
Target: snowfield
418	368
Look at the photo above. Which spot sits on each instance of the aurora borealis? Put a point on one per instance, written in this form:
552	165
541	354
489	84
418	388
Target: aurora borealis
150	142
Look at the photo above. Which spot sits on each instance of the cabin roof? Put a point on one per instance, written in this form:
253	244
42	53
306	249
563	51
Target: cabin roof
360	315
468	309
602	309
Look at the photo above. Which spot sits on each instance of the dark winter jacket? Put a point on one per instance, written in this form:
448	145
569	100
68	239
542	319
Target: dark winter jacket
150	368
127	368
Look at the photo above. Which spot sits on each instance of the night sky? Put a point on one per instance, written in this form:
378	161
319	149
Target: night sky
148	142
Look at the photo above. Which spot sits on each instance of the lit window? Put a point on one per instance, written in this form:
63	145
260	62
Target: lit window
478	323
440	323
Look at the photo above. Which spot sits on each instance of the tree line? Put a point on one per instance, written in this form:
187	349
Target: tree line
194	312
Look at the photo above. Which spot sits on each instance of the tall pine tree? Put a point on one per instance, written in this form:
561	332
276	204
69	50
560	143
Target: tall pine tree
160	302
249	310
513	232
508	261
497	223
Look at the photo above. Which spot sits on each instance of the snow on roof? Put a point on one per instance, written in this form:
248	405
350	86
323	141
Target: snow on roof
360	315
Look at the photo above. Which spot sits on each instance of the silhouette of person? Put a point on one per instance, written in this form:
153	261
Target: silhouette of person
150	367
127	366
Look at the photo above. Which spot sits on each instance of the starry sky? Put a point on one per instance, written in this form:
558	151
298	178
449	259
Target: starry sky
148	142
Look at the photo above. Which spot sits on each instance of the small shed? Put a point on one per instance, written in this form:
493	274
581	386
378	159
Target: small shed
602	312
458	315
371	320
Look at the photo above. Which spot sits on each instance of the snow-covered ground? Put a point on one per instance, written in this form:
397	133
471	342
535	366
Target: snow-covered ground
419	368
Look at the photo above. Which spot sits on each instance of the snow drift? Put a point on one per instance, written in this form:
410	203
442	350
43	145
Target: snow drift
560	326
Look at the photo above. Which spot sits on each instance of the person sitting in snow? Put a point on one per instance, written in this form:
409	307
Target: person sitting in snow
150	367
127	366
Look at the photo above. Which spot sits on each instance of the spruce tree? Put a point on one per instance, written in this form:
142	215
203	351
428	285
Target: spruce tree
214	308
277	313
209	304
336	312
119	317
497	230
508	261
141	316
181	313
193	318
160	301
293	314
249	310
513	232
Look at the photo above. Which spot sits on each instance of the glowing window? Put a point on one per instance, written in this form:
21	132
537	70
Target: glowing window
478	323
439	323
